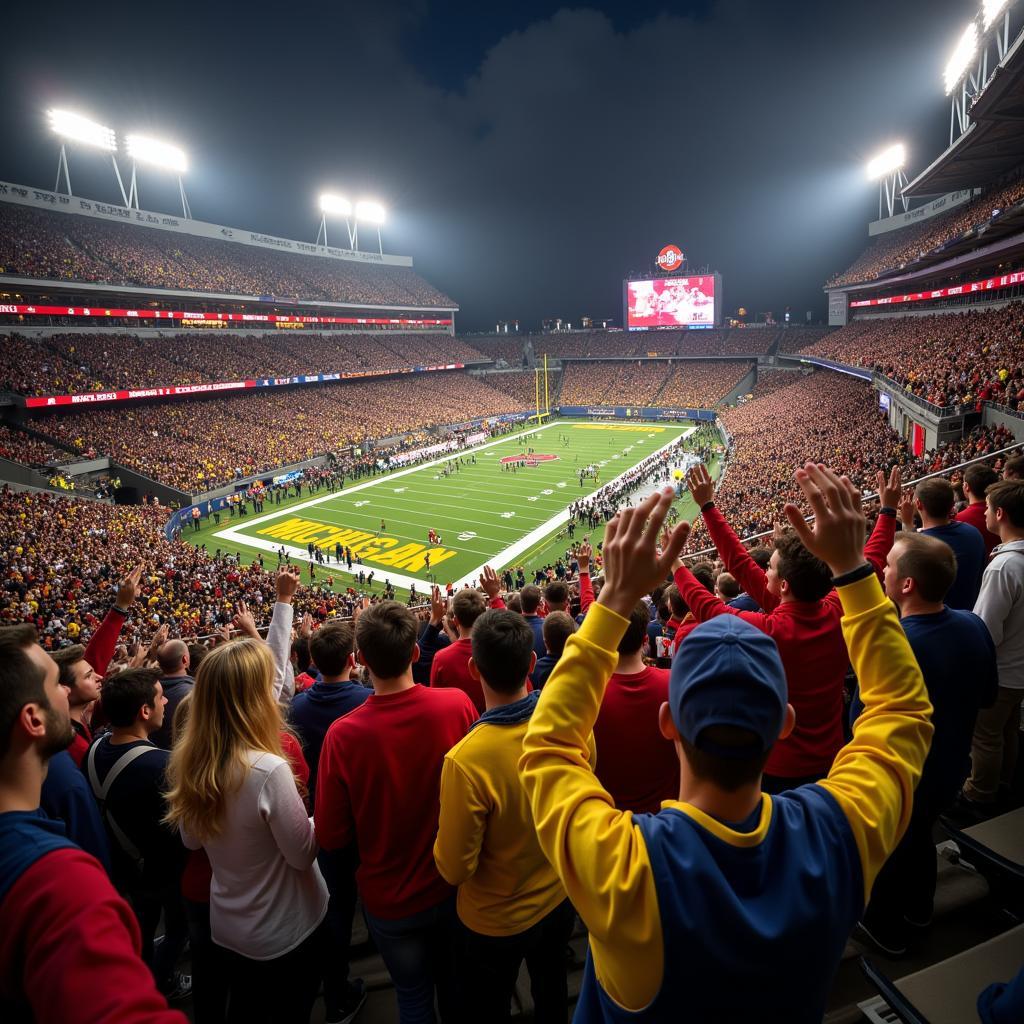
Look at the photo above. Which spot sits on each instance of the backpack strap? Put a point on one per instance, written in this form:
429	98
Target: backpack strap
101	790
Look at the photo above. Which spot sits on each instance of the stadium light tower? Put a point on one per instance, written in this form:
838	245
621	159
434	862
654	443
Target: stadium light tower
887	169
143	149
80	130
336	206
961	82
373	213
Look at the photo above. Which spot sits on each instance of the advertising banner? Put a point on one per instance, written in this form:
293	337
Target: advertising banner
987	284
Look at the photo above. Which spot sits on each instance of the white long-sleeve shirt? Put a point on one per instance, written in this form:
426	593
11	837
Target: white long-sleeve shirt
279	639
1000	604
267	894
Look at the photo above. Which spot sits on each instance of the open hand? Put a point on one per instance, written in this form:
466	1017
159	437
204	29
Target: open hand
837	536
702	487
633	565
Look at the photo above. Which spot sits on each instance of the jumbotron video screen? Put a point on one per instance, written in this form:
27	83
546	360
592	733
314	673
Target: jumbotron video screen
672	302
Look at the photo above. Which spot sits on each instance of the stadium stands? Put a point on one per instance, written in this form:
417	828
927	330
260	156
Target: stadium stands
618	344
702	385
81	362
195	445
894	249
60	247
944	358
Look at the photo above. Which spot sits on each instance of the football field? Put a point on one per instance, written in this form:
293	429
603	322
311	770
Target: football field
482	514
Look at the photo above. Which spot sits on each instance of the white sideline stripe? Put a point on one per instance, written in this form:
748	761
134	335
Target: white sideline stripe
399	579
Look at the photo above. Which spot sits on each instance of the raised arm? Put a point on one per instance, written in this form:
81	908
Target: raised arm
597	851
748	573
874	775
279	636
879	544
706	606
586	585
104	641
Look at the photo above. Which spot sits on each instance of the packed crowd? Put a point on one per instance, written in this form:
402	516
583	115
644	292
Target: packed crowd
80	362
61	558
702	385
793	340
946	359
267	785
823	417
894	249
522	387
197	444
41	244
18	446
620	344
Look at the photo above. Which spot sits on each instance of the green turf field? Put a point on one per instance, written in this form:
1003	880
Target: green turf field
483	514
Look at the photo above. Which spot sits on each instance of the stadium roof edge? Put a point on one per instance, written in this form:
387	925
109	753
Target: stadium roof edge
58	202
7	280
993	144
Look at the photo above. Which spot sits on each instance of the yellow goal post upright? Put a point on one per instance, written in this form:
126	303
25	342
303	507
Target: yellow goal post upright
543	411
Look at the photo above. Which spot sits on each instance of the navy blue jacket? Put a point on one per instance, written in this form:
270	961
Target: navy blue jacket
67	797
314	711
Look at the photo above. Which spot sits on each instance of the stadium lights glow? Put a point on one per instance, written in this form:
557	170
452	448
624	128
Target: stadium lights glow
152	151
960	61
76	128
991	9
336	205
889	160
371	212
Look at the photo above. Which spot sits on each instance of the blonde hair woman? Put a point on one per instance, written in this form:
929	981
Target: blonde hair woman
233	793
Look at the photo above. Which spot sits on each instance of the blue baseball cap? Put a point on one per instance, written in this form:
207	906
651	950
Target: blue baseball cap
727	672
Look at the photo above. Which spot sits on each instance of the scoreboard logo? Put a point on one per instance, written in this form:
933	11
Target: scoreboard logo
670	258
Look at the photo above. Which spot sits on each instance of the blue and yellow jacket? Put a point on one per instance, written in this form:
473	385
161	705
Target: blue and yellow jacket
692	918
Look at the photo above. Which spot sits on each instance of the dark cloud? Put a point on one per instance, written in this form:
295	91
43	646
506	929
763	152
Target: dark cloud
530	157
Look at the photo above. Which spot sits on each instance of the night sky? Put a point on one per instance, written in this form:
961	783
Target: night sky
530	157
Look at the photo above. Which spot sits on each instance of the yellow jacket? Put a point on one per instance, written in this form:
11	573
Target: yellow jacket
599	852
486	842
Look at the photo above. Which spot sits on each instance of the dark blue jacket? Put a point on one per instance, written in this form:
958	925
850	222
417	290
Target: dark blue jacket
67	797
314	711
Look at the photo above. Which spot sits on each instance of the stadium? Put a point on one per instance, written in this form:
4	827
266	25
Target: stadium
544	674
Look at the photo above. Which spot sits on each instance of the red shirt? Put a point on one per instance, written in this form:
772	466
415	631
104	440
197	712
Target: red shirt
379	785
810	640
975	515
450	667
635	763
62	926
80	744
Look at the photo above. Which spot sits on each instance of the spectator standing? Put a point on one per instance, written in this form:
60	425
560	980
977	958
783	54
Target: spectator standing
1001	607
679	905
530	596
313	712
744	602
802	615
450	667
636	764
558	627
934	500
378	786
48	886
977	480
958	662
127	775
82	668
233	793
511	905
174	659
